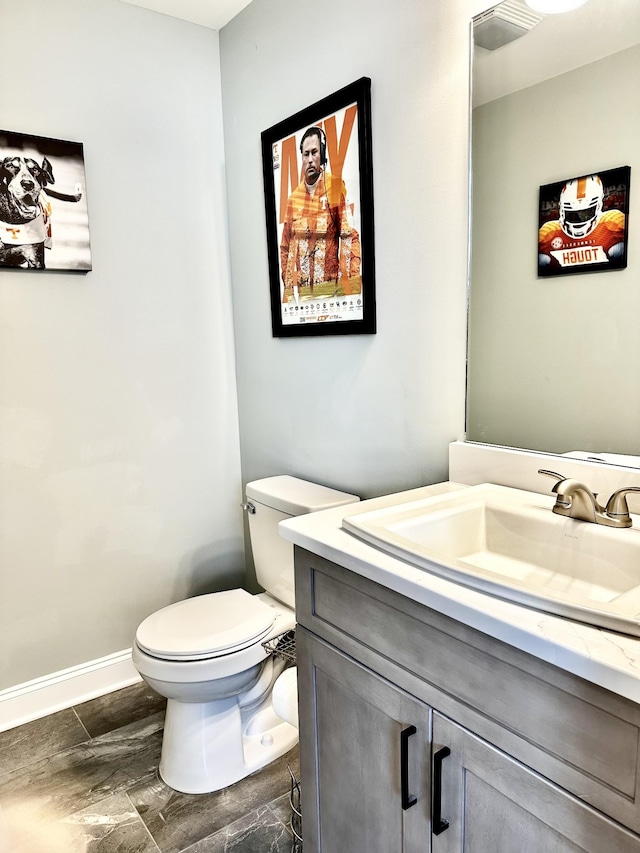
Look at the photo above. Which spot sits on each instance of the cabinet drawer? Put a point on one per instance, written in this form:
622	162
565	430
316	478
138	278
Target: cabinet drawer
576	734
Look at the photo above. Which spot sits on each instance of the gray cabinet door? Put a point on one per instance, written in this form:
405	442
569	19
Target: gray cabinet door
351	736
493	803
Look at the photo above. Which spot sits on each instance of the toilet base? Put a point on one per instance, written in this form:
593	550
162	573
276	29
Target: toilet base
208	746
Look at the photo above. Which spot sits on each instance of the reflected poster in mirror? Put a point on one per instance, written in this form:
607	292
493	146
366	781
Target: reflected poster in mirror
583	223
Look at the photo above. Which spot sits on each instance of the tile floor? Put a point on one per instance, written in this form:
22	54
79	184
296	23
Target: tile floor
85	780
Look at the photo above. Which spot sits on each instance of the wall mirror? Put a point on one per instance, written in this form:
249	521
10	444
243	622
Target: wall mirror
554	363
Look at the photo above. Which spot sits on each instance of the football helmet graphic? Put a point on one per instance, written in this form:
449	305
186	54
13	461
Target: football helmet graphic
581	203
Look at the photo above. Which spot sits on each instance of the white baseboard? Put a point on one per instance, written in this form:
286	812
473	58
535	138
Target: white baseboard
43	696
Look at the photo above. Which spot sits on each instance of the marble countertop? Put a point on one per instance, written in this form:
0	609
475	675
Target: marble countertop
605	658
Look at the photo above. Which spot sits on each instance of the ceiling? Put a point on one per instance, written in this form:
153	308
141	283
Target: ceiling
611	24
208	13
559	43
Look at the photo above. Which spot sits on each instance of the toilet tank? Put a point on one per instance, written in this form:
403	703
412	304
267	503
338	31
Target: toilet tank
276	499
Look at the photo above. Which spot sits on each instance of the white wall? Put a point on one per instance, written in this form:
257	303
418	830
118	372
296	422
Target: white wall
550	359
119	451
368	414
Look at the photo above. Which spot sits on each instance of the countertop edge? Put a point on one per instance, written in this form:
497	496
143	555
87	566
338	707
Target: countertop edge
602	657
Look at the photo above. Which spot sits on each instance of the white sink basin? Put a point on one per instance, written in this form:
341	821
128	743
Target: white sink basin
508	543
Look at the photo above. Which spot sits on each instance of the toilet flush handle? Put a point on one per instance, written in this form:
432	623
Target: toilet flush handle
248	507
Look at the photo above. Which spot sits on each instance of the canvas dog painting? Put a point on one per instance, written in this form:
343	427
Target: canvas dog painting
29	204
25	211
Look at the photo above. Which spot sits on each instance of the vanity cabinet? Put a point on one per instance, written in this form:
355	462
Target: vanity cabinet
411	721
369	743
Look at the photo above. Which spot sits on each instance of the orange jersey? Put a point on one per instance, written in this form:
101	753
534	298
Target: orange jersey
568	251
319	242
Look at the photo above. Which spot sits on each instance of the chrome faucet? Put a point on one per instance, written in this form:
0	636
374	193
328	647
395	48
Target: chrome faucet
575	500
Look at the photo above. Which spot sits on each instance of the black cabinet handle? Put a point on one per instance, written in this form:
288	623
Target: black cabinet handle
439	825
408	799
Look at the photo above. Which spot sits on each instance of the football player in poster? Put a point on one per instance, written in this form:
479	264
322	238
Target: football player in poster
320	244
589	233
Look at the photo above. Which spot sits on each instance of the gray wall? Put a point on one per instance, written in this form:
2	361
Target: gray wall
119	451
119	438
550	360
367	414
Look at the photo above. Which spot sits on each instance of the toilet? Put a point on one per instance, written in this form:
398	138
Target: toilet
206	654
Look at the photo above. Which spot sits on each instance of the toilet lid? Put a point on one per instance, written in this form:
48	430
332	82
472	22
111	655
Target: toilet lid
206	626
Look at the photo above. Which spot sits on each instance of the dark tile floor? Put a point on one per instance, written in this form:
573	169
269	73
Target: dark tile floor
85	780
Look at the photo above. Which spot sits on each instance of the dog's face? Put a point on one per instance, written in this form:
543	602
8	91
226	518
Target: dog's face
22	180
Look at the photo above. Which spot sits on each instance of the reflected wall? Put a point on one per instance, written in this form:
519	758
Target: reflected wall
552	362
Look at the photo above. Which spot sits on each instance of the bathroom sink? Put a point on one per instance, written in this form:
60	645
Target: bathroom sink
508	543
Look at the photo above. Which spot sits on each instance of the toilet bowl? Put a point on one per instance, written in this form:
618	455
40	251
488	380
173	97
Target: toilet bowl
206	655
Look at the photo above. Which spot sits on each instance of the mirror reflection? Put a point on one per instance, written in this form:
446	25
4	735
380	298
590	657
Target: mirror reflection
553	361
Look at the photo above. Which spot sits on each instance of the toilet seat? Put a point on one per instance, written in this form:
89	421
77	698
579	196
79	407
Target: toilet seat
206	626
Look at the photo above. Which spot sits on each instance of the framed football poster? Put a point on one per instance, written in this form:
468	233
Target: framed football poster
318	188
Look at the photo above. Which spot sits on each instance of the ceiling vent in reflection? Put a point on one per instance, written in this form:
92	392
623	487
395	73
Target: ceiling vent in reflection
506	22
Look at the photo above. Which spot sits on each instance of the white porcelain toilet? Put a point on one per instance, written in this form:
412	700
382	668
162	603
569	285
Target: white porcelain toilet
205	654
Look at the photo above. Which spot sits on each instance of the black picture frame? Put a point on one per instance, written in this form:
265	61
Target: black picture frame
317	292
583	223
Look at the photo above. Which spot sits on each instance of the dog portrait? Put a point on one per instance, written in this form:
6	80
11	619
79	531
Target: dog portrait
44	221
